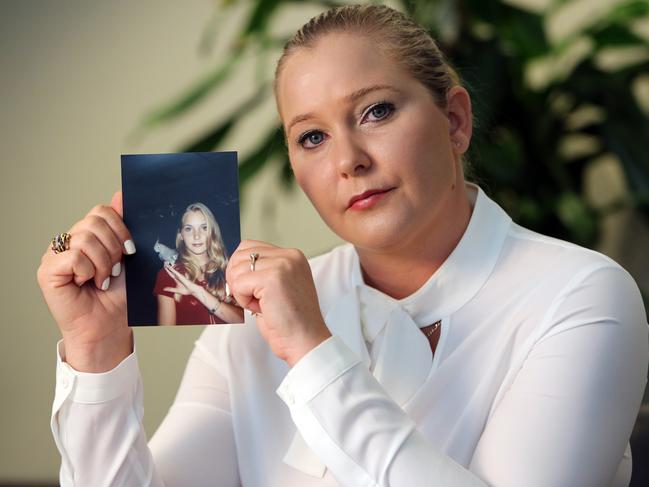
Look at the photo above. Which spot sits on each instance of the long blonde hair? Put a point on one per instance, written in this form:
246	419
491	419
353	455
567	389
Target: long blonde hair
216	253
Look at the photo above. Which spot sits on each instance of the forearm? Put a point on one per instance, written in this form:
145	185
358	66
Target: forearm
357	430
97	426
227	312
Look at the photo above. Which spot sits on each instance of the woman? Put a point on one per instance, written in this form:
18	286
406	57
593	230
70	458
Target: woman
193	291
444	345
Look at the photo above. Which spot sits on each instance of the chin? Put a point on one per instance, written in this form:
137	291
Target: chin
381	235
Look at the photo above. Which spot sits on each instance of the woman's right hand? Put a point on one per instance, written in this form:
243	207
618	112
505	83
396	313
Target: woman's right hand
84	289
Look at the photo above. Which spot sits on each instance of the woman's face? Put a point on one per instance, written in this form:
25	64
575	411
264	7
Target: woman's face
367	143
194	232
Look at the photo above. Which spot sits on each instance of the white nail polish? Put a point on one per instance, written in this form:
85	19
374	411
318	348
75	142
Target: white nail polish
117	268
105	284
129	246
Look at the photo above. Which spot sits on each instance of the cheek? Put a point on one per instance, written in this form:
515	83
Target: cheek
310	181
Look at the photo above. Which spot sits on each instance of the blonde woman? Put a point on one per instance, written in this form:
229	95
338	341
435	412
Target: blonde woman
443	345
193	291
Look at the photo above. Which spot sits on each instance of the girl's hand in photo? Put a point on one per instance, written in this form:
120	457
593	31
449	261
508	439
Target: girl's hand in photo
279	287
84	289
184	286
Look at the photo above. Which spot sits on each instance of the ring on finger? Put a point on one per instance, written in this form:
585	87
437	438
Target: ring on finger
254	256
61	242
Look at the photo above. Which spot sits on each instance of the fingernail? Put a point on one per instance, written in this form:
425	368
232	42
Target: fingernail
105	284
117	268
129	246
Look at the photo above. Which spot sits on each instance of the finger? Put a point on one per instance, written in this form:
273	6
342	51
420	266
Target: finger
176	275
117	204
264	252
88	243
247	290
176	280
57	270
114	220
267	257
246	244
173	290
246	247
98	226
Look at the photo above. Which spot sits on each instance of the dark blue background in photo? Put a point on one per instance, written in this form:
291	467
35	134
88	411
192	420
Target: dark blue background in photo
156	190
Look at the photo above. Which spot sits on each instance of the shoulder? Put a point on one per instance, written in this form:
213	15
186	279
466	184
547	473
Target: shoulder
569	279
534	256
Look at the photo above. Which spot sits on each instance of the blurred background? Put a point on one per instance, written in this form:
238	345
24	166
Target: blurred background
561	94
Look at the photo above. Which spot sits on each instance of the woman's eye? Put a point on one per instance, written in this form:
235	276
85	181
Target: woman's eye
311	139
380	111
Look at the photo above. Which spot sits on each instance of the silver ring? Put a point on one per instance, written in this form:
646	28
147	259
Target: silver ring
253	260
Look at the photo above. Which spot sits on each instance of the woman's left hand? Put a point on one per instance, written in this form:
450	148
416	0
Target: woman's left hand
282	293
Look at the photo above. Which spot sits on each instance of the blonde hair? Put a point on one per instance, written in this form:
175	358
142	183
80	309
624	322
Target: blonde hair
405	41
216	253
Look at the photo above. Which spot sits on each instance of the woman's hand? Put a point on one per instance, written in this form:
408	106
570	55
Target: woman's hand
84	289
282	292
184	285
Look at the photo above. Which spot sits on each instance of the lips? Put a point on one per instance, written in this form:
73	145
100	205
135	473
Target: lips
367	198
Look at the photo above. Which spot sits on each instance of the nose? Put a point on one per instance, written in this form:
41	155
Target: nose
351	157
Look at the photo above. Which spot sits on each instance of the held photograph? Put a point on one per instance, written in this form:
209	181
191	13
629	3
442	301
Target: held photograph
183	212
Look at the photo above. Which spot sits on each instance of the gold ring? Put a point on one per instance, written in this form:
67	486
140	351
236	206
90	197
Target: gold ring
61	242
253	260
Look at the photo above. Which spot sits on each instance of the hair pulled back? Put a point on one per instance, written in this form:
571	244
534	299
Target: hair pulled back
400	37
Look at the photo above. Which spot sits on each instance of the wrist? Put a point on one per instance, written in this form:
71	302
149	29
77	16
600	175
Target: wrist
307	345
211	302
97	357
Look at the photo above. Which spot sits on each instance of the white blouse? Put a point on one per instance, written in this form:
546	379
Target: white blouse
536	381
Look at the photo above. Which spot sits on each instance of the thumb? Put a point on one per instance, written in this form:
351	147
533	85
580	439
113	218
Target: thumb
117	204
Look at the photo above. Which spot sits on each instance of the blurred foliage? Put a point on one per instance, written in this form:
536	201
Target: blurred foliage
534	92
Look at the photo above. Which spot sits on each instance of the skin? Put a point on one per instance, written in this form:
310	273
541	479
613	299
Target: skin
227	312
194	233
402	237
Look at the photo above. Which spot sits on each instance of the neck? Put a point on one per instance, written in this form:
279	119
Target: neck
399	272
201	260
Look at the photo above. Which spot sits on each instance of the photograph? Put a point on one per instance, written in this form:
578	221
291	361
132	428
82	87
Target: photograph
183	212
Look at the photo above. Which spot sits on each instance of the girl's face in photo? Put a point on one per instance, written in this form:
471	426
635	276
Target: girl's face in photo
367	142
194	232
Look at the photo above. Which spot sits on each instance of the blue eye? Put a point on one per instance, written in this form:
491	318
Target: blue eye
380	111
315	138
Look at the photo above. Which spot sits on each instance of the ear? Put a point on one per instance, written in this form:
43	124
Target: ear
460	116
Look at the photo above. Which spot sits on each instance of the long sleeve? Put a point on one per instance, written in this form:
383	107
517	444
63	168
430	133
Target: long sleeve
568	415
357	430
565	420
97	427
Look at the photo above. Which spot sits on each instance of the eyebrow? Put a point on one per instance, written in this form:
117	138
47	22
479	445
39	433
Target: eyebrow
352	97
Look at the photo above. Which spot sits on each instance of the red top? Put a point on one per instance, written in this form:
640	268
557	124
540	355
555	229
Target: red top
189	310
